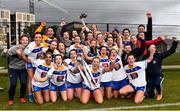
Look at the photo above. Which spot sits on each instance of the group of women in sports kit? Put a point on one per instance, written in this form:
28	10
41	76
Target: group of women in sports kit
121	65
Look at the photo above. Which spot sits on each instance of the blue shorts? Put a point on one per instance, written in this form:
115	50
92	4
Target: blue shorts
72	85
142	88
119	84
36	89
29	66
57	88
106	84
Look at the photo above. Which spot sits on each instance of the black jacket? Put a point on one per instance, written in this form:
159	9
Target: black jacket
154	67
137	52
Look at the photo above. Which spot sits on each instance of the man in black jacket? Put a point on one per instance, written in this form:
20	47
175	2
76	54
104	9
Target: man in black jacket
154	73
141	28
136	51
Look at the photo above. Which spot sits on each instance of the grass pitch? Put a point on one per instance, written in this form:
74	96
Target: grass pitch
171	95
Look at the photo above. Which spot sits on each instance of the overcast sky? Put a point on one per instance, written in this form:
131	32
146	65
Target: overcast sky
165	12
104	11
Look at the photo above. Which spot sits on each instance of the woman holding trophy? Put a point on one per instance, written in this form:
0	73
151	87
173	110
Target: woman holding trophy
95	72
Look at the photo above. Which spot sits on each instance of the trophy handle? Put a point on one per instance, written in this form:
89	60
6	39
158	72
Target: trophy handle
83	22
89	74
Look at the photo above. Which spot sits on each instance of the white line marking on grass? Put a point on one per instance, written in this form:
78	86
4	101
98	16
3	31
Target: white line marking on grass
138	107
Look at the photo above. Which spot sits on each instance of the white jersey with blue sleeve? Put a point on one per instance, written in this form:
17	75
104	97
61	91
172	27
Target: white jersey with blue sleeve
72	78
107	76
32	50
136	74
97	75
58	76
41	71
119	73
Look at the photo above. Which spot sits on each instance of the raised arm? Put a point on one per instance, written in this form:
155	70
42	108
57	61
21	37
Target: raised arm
84	25
40	28
62	24
120	44
155	41
149	26
171	50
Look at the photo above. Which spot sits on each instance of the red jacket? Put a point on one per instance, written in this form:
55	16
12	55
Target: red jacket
149	42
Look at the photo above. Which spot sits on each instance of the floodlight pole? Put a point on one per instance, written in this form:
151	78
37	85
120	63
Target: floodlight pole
31	6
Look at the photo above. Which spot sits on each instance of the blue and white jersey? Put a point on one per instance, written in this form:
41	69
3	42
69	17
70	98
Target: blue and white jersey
97	75
32	50
58	76
72	78
119	73
41	71
136	74
127	42
92	52
104	62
